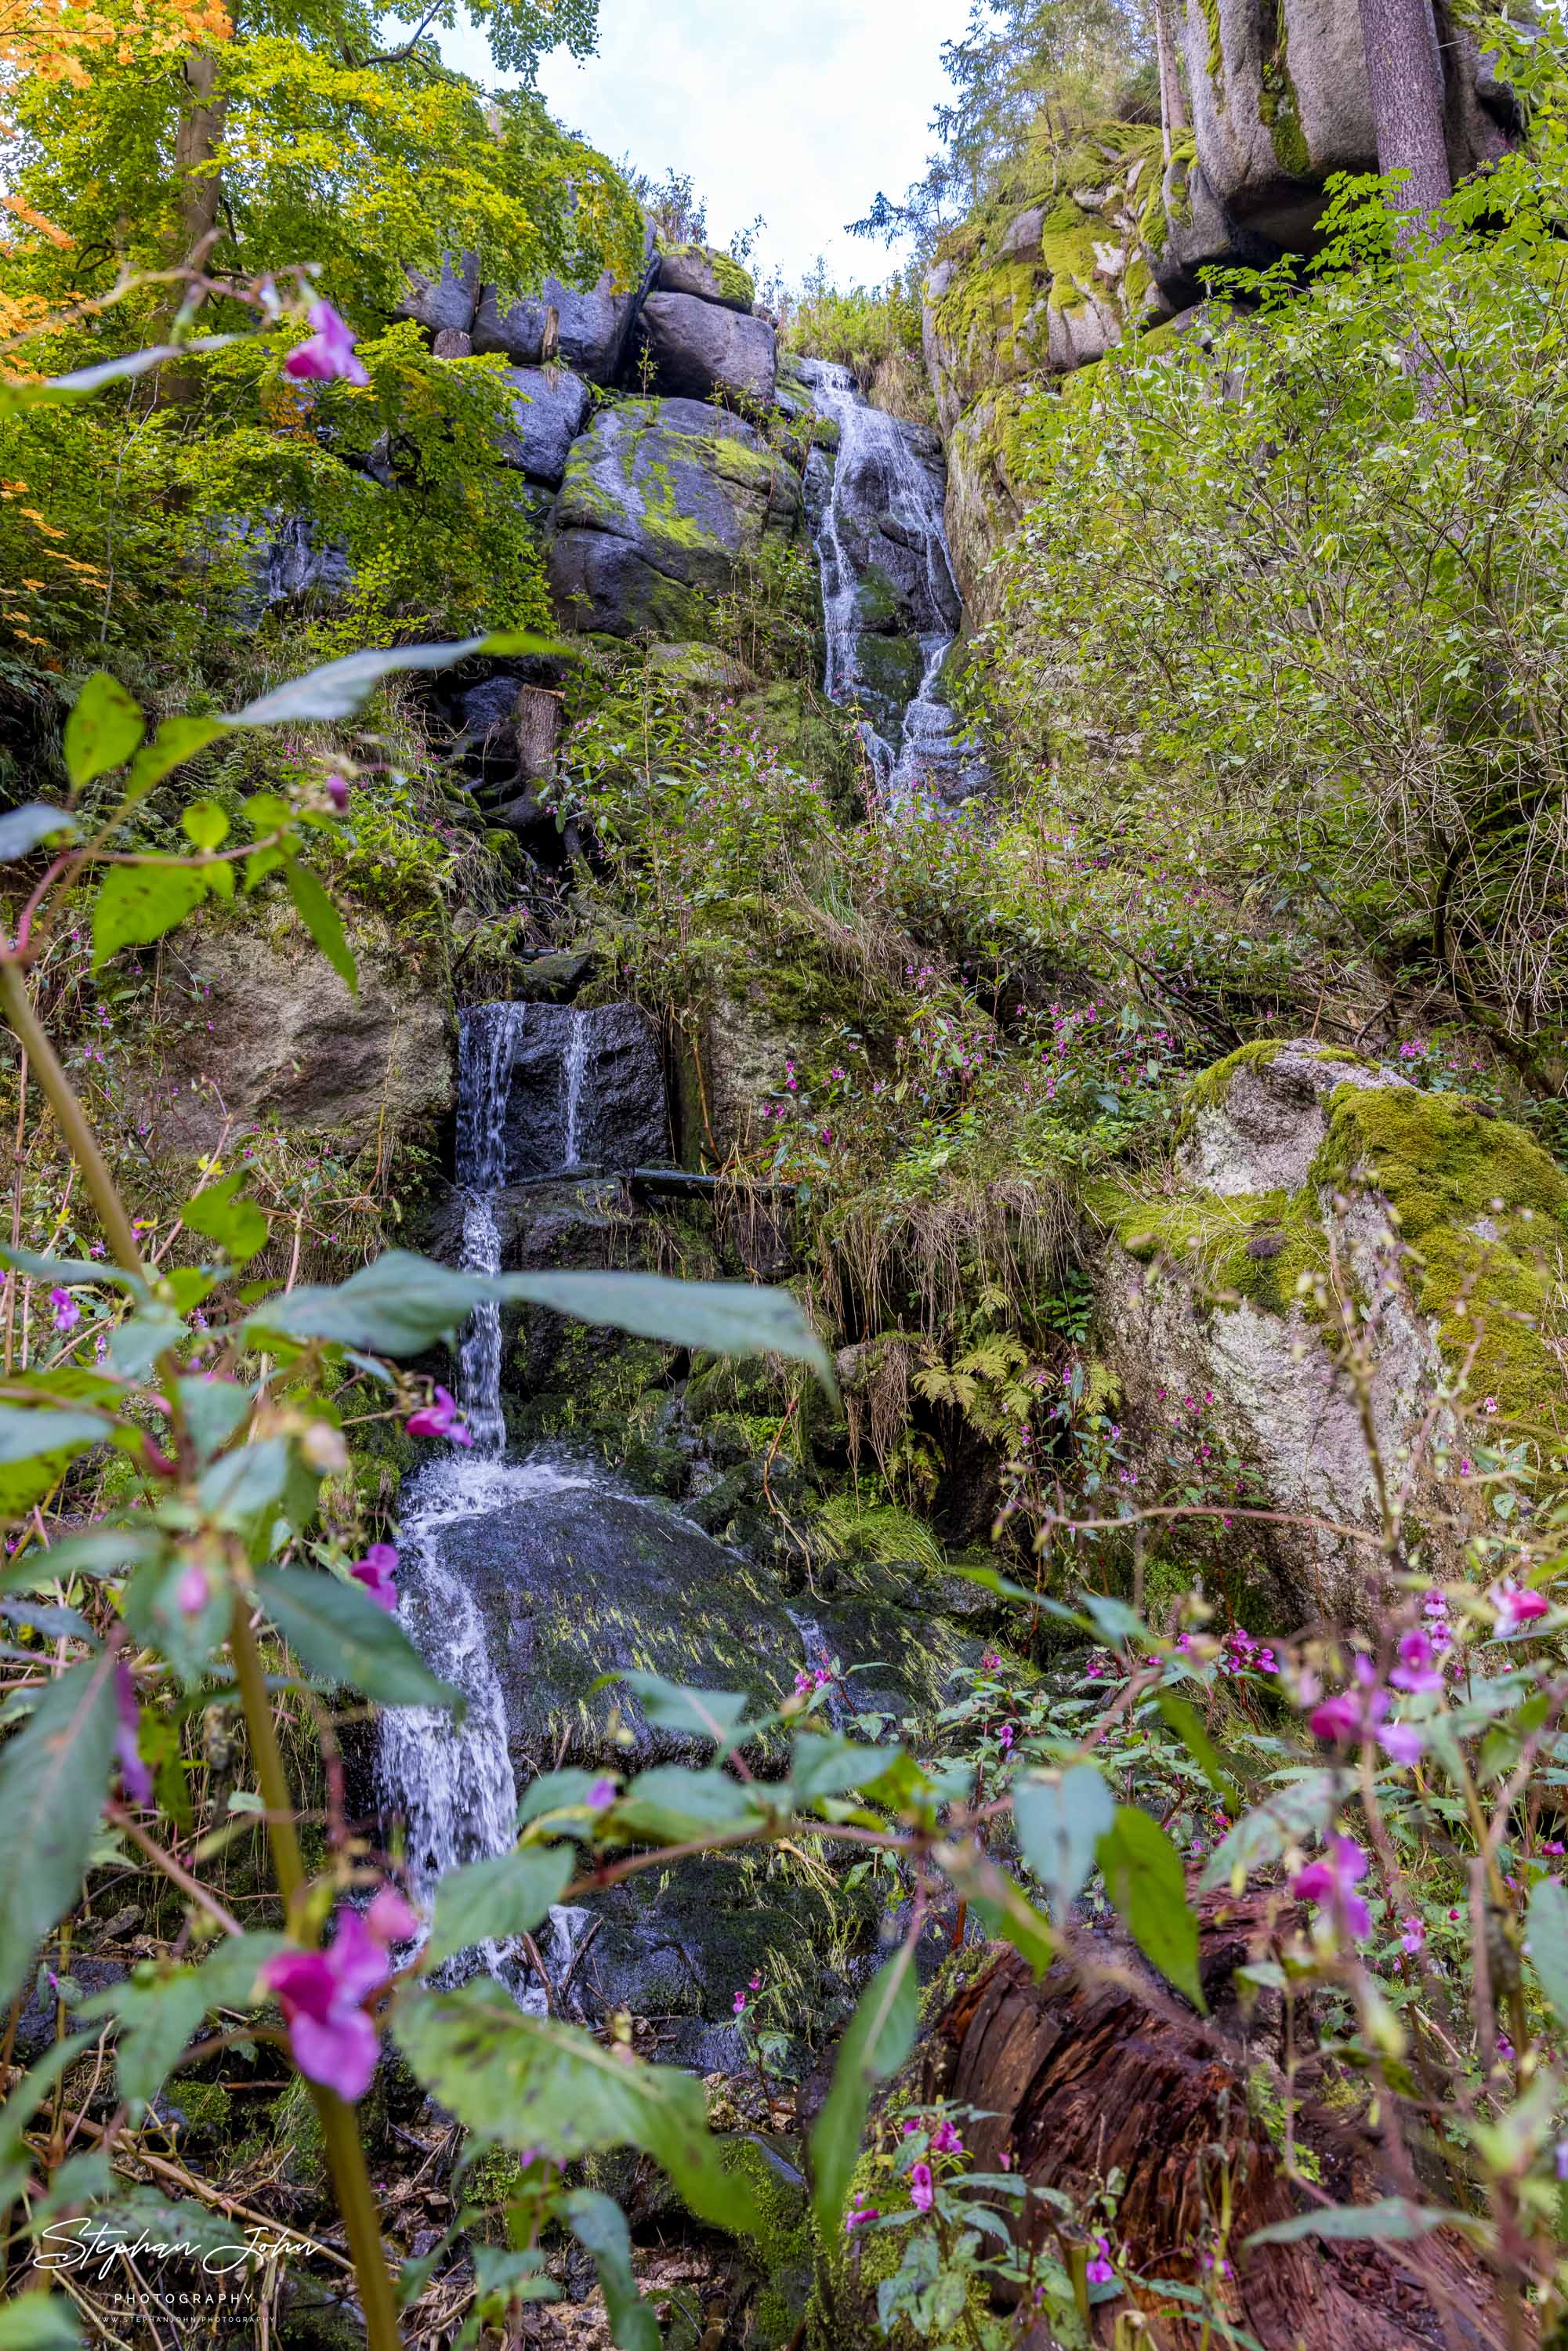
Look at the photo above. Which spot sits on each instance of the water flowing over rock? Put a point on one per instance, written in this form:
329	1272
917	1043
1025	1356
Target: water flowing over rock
891	606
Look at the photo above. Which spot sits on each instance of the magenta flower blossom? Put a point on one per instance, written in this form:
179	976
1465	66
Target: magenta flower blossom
1418	1668
740	2003
922	2189
442	1418
602	1795
67	1313
329	354
338	793
859	2213
1331	1881
945	2140
1559	2158
1099	2271
193	1591
391	1919
1512	1607
320	1993
135	1776
375	1571
1362	1713
1412	1935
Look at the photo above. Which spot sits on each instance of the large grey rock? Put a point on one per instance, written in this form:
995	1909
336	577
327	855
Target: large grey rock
1281	100
549	405
662	502
261	1031
447	304
590	329
700	349
711	275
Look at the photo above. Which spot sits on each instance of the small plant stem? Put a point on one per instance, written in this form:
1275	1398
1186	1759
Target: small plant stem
345	2155
22	1014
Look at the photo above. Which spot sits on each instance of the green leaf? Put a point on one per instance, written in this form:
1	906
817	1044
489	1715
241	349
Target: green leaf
22	829
339	689
205	823
54	1776
65	1269
220	1214
177	740
1059	1822
833	1766
700	1713
82	383
527	2081
1293	1816
137	903
1147	1887
672	1806
491	1901
1390	2217
402	1304
103	729
880	2036
228	1973
25	1434
598	2224
1001	1906
1187	1724
39	2322
340	1632
323	922
1546	1943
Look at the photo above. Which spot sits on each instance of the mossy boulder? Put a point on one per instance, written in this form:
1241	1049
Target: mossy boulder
711	275
1307	1186
663	502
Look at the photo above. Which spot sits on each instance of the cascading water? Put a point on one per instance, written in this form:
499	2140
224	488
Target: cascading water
884	505
452	1783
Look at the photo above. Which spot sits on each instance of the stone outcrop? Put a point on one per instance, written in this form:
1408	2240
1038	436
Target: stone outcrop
1307	1184
699	350
548	409
663	499
262	1032
711	275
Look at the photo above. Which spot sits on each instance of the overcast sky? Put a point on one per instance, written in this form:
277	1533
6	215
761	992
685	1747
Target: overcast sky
798	110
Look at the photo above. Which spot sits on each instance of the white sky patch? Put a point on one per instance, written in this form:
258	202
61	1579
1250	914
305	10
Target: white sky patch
800	112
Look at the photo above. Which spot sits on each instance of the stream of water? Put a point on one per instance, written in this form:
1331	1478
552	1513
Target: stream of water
879	482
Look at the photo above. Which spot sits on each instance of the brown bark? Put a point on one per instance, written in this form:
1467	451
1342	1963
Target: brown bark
1405	70
1080	2078
1173	104
197	141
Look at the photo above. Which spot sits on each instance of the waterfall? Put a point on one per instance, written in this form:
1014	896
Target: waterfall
576	1063
487	1043
882	491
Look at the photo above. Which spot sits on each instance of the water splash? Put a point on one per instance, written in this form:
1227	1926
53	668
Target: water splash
486	1048
575	1065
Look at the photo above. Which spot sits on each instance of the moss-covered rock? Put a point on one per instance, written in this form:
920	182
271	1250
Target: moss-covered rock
1308	1185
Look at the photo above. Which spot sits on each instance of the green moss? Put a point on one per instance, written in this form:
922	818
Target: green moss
734	283
1446	1170
843	2309
1252	1246
784	2242
1281	115
297	2129
207	2107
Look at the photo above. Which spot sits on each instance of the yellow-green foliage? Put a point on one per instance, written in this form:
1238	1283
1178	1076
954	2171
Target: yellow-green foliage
784	2243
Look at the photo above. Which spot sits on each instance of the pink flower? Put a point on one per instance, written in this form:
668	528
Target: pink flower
442	1418
1362	1713
67	1313
1099	2271
338	793
1412	1935
922	2191
945	2140
740	2003
329	353
375	1571
320	1993
1512	1607
390	1918
859	2212
1417	1668
1332	1880
601	1795
1402	1743
192	1591
1336	1718
135	1776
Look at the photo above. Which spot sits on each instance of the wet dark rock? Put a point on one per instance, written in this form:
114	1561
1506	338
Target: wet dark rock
36	2019
700	349
590	330
549	405
553	978
447	304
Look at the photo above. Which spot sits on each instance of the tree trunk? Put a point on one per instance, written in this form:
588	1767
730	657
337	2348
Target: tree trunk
1405	69
1173	104
196	141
